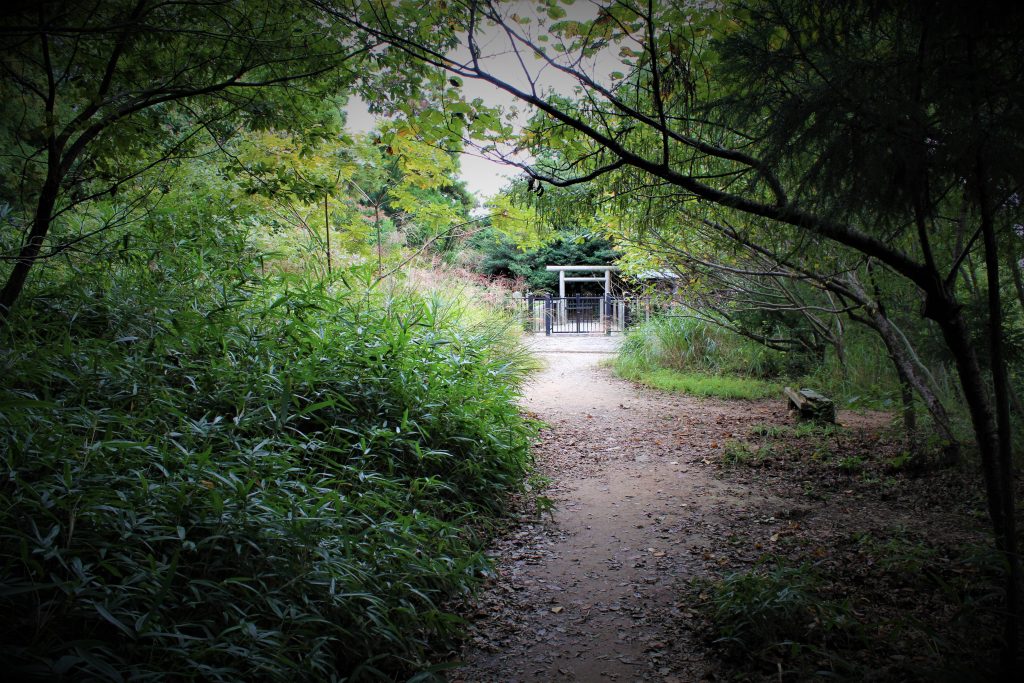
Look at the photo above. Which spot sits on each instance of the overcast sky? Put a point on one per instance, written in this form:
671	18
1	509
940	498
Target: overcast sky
483	177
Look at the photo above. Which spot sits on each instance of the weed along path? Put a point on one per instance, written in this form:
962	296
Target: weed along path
661	500
593	593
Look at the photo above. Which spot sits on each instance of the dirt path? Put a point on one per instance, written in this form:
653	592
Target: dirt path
653	490
593	594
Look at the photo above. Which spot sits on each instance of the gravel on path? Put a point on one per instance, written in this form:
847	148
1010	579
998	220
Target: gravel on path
592	593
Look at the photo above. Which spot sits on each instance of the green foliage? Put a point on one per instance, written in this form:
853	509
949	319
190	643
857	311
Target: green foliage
348	196
862	378
773	431
679	353
209	475
503	257
899	553
689	356
699	384
691	345
792	621
851	463
210	472
123	88
740	453
775	611
843	615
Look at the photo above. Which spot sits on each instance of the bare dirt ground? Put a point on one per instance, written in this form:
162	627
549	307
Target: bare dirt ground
587	595
597	592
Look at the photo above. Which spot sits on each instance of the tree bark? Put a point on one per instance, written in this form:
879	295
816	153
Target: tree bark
1000	393
912	375
996	469
909	413
908	365
907	400
29	251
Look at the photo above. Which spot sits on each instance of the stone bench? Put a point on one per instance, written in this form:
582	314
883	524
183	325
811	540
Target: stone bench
811	405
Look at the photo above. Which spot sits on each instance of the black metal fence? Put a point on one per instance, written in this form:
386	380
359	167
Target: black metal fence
583	314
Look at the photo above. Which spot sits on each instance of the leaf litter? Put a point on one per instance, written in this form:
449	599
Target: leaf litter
615	585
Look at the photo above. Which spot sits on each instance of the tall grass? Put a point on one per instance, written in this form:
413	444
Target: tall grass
207	475
701	384
691	345
689	355
865	376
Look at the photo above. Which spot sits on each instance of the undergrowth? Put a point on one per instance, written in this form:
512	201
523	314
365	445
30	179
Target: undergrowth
886	606
698	384
683	354
776	612
692	346
214	475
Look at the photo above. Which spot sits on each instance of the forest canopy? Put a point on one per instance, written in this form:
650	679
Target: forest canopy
220	368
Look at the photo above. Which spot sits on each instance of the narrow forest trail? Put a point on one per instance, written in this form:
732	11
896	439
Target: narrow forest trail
594	593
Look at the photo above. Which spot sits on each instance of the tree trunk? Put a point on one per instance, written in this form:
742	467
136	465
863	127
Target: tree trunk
907	398
912	376
996	468
29	252
838	343
908	365
1000	394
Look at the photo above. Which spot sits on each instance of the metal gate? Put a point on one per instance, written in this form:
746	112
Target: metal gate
583	314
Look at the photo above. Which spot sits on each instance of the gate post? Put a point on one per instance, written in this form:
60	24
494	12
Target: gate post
531	315
608	314
579	312
547	315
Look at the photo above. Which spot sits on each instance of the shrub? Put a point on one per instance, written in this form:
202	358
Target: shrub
227	478
773	612
692	351
690	345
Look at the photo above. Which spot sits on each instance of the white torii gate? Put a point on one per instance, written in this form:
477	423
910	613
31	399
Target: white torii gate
562	279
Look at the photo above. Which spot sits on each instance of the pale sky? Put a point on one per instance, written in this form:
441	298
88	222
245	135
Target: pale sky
484	177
